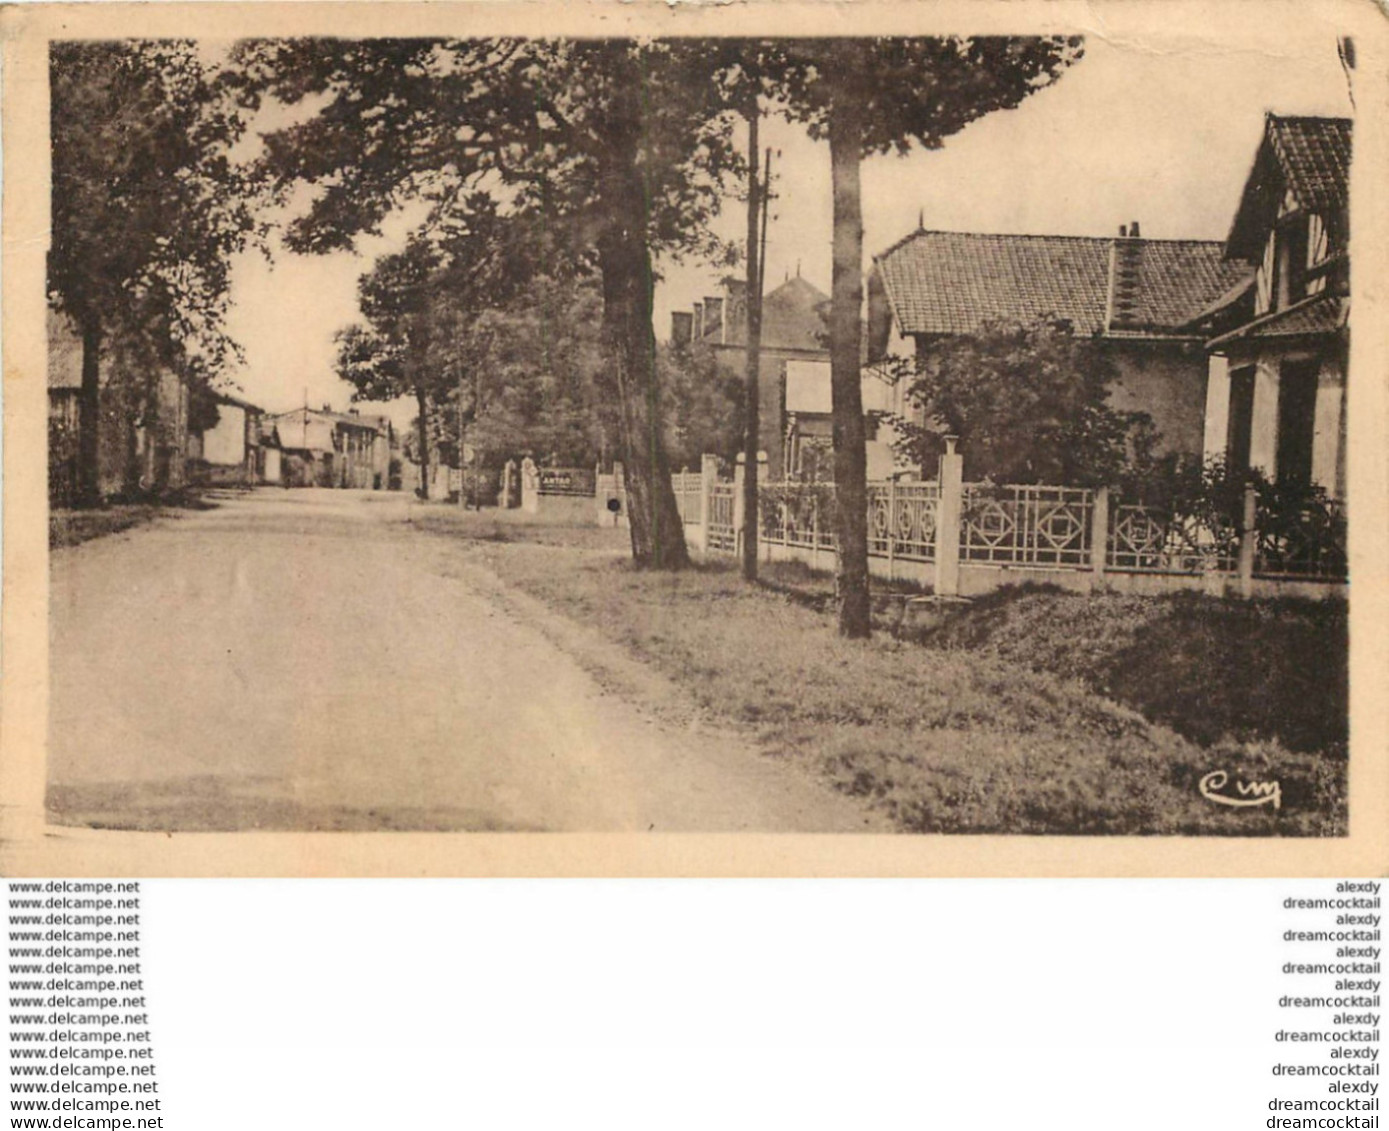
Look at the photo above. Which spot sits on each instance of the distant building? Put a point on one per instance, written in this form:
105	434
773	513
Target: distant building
240	448
793	330
1279	342
143	423
807	450
323	448
1136	295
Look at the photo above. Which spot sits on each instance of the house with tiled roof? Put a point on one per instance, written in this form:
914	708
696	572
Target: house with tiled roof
323	448
237	446
1137	295
794	349
793	374
1278	345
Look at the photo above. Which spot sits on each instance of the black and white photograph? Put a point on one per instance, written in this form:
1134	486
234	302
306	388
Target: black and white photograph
879	438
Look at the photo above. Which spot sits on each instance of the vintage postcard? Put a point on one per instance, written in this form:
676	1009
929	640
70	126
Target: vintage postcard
598	439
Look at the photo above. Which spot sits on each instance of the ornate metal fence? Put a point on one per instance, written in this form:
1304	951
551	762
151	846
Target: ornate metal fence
902	520
1150	540
1302	540
1027	526
1069	530
719	531
689	496
798	515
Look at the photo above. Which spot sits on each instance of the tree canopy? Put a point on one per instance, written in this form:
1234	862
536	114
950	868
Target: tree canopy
147	207
614	145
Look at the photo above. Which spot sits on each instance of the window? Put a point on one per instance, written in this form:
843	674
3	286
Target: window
1297	410
1290	284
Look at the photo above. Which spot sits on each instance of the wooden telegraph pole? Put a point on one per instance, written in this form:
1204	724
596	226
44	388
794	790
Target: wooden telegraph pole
757	253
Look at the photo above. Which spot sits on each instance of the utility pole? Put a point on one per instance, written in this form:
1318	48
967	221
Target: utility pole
463	436
757	194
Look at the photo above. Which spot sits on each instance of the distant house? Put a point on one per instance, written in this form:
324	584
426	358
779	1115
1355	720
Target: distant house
323	448
1278	343
1137	295
143	418
807	426
235	449
793	331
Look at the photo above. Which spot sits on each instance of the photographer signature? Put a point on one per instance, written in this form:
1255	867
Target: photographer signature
1246	793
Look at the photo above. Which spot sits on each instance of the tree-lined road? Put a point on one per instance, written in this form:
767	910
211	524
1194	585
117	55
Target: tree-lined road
307	660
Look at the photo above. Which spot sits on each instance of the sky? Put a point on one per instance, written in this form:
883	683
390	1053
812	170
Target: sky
1158	131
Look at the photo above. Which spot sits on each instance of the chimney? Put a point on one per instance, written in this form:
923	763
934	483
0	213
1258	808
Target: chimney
1125	277
681	327
735	308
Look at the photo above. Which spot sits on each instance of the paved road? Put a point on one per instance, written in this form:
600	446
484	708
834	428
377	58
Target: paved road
306	660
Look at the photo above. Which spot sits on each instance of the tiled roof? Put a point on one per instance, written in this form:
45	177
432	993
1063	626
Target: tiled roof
1323	314
227	398
792	318
1309	157
951	282
304	429
1314	154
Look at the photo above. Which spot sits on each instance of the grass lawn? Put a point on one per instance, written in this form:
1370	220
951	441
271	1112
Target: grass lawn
942	739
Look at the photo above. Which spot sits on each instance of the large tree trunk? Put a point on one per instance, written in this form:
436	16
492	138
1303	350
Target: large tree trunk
423	402
846	394
624	259
658	533
754	357
89	417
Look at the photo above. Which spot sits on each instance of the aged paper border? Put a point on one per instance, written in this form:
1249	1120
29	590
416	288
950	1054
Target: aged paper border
30	848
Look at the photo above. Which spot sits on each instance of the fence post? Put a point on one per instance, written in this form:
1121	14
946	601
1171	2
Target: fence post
708	476
1248	542
738	476
1099	534
530	486
948	520
762	465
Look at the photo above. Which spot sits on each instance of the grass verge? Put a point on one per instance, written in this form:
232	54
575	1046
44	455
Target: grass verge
942	740
1212	669
71	526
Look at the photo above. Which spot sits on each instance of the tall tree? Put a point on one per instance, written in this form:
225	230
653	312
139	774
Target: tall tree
530	373
147	209
875	96
611	143
388	357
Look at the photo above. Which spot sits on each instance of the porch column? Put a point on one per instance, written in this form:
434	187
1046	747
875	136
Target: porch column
1217	406
1328	429
1263	433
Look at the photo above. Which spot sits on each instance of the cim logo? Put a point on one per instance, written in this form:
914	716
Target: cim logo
1215	787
